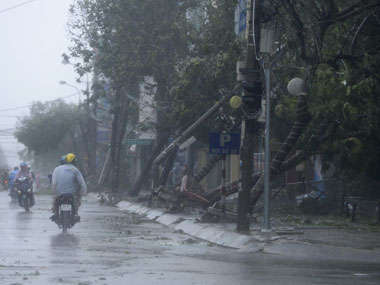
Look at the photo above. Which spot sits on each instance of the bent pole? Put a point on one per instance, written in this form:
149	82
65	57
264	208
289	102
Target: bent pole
182	137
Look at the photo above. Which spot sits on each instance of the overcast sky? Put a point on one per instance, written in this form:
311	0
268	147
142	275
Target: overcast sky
33	38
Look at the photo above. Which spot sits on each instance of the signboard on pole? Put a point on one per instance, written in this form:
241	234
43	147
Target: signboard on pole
241	17
224	143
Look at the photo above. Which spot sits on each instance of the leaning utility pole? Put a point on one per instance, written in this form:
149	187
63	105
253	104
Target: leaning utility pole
119	122
251	106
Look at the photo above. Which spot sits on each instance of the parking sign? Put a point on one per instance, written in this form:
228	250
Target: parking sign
224	143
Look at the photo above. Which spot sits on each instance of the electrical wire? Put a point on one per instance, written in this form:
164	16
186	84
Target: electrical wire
16	108
17	6
27	106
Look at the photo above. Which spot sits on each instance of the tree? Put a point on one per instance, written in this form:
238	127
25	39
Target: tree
209	68
50	131
46	126
335	43
128	40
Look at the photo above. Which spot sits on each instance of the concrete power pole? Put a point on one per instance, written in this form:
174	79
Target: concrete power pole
251	106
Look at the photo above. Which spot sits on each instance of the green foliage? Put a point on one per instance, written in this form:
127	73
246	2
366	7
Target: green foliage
209	69
188	47
128	39
46	126
337	43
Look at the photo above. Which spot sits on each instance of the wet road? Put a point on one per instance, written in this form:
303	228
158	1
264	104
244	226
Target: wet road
110	247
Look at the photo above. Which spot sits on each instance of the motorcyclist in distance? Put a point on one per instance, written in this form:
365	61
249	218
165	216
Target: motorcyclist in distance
25	172
67	179
12	178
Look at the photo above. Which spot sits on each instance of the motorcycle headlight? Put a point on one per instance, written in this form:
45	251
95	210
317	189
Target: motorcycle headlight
19	192
29	190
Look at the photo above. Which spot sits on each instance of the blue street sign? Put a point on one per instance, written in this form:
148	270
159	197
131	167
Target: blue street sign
224	143
241	17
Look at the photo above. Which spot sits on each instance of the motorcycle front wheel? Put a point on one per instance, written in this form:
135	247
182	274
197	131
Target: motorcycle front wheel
26	204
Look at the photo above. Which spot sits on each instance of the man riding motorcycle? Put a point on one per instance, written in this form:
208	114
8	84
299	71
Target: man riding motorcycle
24	172
67	179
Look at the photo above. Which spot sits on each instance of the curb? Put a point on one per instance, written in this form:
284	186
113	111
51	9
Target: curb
256	242
188	225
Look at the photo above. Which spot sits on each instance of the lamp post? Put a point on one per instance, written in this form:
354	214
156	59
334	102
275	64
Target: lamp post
62	82
269	58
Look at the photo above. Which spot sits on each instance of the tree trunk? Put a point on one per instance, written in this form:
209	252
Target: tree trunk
168	167
91	163
207	168
302	120
147	169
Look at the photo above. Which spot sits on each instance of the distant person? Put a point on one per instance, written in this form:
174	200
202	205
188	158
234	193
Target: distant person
185	180
24	171
11	179
13	174
174	174
34	178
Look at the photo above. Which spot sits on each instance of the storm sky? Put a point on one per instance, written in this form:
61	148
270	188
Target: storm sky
33	38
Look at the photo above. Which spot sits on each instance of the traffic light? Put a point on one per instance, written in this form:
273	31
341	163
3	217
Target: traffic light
252	97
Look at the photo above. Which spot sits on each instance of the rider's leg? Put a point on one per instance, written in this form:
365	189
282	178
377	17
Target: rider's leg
54	208
77	203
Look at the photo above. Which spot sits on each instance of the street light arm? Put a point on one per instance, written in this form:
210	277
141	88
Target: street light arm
62	82
68	84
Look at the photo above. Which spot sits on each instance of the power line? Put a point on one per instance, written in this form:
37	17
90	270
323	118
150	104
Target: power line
7	130
27	106
16	6
16	108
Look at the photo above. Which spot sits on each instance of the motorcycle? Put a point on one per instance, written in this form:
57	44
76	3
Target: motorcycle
65	217
24	190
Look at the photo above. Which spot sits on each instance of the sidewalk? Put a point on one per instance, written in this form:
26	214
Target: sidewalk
303	242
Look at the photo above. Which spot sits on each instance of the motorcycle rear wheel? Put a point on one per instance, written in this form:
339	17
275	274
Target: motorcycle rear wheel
66	220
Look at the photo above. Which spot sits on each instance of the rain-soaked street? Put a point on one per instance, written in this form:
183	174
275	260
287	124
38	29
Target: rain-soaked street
111	247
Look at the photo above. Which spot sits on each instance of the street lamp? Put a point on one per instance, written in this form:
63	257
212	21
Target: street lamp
269	58
62	82
297	87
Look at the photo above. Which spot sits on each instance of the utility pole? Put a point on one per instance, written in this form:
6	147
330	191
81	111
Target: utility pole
251	106
119	122
91	132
